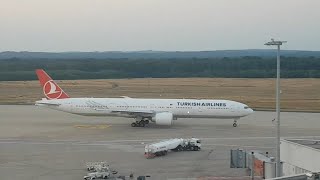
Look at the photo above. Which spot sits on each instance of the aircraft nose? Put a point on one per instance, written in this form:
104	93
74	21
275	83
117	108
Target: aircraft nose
251	111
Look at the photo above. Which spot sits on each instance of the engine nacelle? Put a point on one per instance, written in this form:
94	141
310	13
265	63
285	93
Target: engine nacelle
164	118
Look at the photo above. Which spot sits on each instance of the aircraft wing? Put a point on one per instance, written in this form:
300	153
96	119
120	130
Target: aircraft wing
133	112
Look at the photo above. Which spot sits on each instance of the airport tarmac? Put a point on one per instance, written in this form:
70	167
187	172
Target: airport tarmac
42	144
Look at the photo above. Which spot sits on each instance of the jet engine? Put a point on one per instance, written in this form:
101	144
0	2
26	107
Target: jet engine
164	118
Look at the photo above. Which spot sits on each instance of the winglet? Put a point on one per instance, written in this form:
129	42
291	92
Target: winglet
50	88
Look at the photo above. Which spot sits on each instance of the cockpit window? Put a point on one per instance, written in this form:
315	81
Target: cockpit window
246	107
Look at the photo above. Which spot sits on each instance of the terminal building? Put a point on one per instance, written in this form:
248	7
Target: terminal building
300	160
299	156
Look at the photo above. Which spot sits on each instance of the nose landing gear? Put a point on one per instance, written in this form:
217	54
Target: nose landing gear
235	123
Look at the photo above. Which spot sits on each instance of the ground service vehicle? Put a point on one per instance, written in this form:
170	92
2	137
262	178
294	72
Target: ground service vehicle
178	144
94	166
98	170
95	175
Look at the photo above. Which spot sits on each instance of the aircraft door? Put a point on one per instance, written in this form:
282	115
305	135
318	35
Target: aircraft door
118	105
152	106
69	107
232	107
112	106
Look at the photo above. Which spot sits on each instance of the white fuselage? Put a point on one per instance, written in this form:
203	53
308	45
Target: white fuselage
180	108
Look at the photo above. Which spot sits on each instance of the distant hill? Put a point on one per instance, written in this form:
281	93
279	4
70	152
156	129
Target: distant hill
155	54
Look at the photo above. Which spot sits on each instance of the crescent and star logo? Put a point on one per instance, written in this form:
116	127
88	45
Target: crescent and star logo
51	90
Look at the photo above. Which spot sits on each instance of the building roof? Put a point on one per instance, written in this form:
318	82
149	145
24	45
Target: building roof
313	143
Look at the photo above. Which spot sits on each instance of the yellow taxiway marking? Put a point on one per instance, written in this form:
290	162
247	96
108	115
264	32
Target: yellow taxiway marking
89	126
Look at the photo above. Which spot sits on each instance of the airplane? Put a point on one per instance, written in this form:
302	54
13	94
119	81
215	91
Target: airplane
143	111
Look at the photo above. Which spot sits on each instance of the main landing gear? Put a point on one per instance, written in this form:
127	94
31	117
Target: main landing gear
235	123
141	123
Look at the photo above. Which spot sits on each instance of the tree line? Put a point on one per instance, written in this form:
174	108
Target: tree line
15	69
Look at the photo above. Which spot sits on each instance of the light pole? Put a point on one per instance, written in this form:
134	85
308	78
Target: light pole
278	44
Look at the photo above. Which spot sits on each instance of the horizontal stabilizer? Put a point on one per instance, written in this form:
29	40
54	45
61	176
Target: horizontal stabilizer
40	103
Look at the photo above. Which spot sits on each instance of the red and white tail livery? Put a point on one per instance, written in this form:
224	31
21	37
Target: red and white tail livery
50	89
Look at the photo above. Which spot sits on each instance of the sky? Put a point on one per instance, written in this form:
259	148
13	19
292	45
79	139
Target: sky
166	25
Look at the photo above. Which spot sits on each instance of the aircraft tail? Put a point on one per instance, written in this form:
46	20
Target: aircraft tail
50	88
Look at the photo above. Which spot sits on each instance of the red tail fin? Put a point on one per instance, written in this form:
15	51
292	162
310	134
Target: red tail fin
50	89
